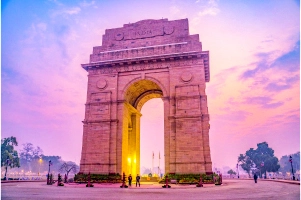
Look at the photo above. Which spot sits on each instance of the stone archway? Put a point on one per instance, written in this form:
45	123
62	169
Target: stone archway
140	61
135	96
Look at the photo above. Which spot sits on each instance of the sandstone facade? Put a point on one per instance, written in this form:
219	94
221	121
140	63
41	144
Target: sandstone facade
137	62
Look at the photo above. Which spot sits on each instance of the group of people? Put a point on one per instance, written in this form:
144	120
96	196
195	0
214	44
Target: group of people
137	180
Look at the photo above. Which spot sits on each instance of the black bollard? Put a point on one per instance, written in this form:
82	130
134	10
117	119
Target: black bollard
166	183
123	181
200	183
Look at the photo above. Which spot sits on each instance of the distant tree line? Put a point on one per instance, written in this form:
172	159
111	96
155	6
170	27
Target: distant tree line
32	159
260	160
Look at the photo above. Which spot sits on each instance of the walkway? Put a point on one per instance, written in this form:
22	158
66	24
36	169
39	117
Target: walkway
231	189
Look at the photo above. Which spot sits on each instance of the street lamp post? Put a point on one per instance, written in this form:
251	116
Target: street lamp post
40	162
48	177
237	170
291	161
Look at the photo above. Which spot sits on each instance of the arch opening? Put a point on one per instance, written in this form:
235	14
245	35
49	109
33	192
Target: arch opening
152	138
141	91
136	95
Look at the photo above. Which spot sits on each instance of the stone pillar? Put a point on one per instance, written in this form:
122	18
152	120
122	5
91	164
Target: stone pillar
113	147
205	134
168	128
124	140
137	129
131	140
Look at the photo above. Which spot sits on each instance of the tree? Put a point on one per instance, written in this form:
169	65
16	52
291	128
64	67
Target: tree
262	158
9	156
245	163
32	159
231	172
285	165
67	167
29	154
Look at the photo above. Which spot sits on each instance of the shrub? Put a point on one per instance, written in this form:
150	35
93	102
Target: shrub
189	178
98	178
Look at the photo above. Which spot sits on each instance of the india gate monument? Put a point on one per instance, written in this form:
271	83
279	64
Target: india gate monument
137	62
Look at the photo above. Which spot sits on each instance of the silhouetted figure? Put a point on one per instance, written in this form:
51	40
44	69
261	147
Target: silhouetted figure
65	179
137	180
130	180
255	177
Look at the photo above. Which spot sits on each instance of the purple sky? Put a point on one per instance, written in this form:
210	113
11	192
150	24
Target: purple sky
253	93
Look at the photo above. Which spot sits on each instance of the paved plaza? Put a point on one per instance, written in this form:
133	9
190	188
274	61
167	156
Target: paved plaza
231	189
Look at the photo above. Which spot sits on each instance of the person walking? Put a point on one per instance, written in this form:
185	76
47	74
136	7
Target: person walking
137	180
255	177
130	180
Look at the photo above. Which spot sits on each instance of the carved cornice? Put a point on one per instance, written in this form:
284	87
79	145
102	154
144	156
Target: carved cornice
105	103
203	117
151	62
97	164
149	51
189	97
145	59
155	58
99	121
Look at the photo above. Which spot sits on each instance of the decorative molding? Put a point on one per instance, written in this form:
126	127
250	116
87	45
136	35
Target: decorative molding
99	121
186	77
144	32
101	84
151	62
